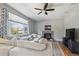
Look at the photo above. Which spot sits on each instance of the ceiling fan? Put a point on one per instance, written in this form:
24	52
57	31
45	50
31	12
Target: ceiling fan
44	9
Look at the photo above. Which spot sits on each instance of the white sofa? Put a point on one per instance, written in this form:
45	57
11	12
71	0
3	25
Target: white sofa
19	51
24	48
5	49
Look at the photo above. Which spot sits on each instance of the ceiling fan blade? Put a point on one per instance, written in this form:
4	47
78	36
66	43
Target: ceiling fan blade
37	9
46	13
50	9
39	12
45	6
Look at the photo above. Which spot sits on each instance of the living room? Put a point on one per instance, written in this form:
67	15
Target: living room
26	19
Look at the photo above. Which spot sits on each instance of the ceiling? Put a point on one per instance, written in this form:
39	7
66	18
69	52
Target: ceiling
15	18
61	10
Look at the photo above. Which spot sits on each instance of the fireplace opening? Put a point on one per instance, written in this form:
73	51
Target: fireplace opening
47	33
47	36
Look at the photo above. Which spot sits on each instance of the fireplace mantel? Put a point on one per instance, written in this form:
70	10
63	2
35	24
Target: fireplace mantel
47	31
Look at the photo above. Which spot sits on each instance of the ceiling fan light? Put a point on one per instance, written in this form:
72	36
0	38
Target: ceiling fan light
46	13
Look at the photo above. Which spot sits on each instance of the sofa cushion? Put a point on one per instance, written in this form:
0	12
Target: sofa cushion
4	41
31	44
4	49
43	41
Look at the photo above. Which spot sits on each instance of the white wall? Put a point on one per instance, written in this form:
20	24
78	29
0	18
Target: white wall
57	27
32	26
72	19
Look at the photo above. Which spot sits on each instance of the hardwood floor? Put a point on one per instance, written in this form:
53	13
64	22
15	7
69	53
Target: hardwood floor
60	50
66	51
56	49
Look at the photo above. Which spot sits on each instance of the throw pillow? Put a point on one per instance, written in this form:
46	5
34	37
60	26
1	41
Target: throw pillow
43	41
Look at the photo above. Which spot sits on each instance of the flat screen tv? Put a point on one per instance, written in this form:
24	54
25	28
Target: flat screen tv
70	33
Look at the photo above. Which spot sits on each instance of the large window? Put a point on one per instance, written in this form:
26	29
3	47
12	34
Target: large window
17	25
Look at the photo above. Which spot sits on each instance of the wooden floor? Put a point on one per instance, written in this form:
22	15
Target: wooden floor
66	51
60	50
56	49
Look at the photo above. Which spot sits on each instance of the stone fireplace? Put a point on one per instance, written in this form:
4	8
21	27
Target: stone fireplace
48	34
